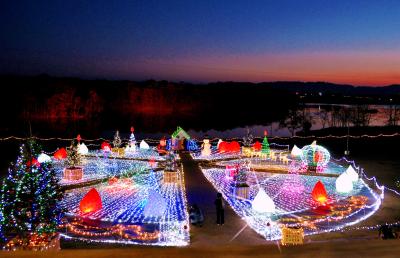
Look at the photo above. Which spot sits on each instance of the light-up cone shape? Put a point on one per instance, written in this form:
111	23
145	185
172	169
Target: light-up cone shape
352	174
143	145
83	149
60	154
263	203
296	151
344	183
319	193
91	202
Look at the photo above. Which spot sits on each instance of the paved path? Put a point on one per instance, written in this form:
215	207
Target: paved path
199	191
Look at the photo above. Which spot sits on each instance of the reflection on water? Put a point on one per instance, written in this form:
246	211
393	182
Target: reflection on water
155	128
378	115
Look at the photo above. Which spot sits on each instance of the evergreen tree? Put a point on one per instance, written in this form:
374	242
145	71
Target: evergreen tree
48	200
2	237
74	158
265	145
170	162
30	195
8	205
117	140
7	202
240	176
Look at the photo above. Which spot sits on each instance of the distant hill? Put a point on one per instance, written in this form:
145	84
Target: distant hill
157	105
326	87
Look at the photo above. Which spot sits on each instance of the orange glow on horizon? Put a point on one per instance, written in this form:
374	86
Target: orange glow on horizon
366	68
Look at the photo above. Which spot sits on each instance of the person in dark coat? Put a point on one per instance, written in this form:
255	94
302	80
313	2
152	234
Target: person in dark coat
386	232
219	205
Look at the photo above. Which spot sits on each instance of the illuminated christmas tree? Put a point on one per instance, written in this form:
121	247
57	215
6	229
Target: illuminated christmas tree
170	162
265	145
117	140
8	193
2	237
240	176
74	158
30	195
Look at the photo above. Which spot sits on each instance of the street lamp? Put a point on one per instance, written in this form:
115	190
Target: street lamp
347	152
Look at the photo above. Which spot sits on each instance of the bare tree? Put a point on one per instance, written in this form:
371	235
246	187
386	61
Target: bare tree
323	117
393	113
361	115
335	116
344	116
297	119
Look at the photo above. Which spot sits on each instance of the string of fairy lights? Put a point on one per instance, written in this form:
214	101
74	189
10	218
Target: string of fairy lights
132	197
151	140
126	204
265	226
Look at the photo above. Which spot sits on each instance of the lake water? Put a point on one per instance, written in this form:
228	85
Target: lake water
9	148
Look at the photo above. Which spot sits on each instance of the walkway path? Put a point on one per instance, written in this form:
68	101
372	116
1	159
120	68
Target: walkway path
199	191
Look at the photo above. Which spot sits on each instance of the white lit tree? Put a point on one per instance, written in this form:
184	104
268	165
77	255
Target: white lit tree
74	158
117	140
248	139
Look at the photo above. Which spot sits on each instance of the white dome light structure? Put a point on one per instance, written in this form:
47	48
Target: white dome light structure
43	158
262	203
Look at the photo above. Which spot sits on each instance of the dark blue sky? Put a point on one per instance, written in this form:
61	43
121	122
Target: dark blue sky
341	41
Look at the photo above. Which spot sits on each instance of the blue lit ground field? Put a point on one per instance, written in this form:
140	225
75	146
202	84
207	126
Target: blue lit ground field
291	194
98	166
215	156
122	218
139	154
332	168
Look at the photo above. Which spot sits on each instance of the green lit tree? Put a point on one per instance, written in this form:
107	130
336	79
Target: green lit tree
2	237
265	145
7	200
30	195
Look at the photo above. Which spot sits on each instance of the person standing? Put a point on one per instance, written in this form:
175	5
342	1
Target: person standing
219	205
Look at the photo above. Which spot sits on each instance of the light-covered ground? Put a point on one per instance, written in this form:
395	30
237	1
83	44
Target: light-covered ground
137	207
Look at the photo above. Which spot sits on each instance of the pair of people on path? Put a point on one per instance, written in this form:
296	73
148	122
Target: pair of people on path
219	205
197	218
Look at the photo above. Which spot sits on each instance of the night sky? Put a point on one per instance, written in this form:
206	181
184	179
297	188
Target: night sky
356	42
